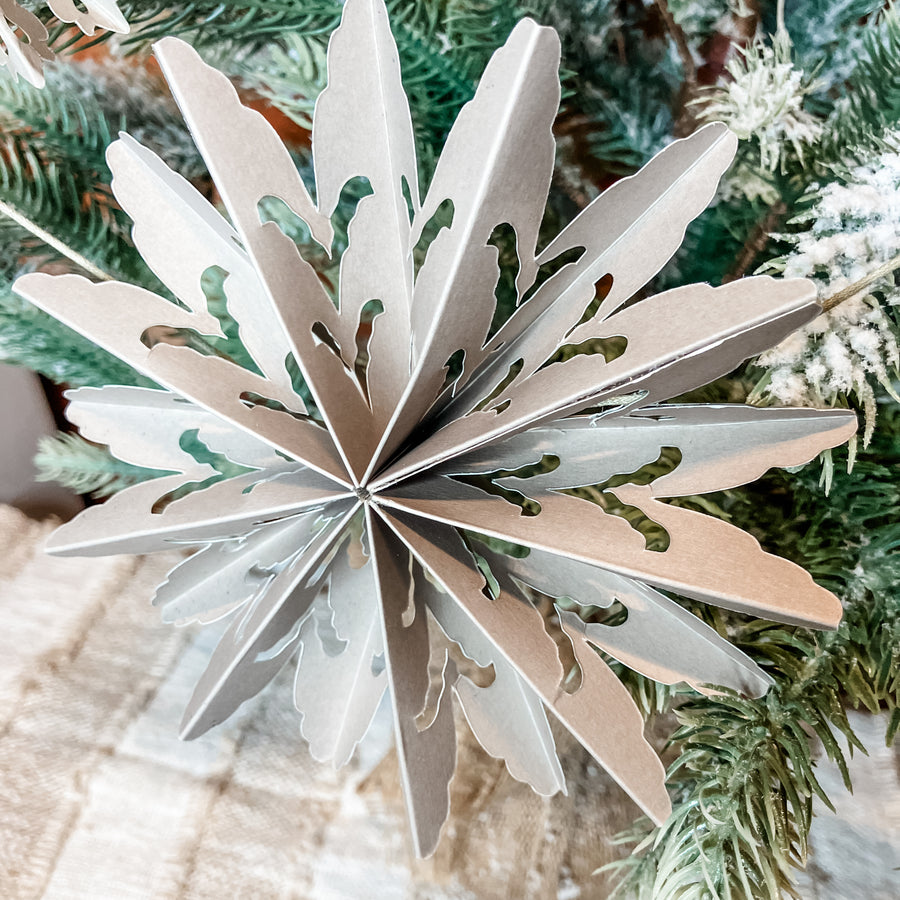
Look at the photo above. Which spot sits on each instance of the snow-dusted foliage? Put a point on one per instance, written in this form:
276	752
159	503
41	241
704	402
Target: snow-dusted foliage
761	100
852	229
699	17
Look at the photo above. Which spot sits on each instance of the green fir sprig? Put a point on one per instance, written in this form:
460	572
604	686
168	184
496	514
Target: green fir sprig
85	467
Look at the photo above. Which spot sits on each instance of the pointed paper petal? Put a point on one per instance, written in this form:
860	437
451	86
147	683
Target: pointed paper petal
143	427
249	163
677	341
260	642
706	559
180	235
493	175
338	688
140	426
427	758
126	523
629	761
629	232
507	716
658	638
721	447
223	575
93	13
115	316
672	647
246	157
364	88
25	56
601	714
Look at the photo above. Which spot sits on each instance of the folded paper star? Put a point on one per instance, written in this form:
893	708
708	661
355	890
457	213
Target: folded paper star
421	523
23	36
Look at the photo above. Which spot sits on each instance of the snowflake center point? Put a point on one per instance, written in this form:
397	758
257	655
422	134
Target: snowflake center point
364	494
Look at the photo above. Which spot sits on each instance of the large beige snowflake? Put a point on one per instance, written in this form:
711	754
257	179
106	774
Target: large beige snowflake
23	36
368	532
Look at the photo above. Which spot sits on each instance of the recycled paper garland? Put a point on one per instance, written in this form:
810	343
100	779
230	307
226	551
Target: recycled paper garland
23	36
351	530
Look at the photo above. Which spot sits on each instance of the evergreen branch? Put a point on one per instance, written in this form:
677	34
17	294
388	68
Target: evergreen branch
48	239
53	173
756	242
57	197
843	235
861	123
827	36
290	75
681	45
744	779
58	116
213	21
852	290
89	104
475	28
627	126
86	468
628	82
745	774
31	338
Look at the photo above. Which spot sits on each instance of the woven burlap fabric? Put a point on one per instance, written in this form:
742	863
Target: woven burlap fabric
99	800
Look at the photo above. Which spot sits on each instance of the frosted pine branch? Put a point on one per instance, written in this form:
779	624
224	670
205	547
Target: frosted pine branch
762	101
854	230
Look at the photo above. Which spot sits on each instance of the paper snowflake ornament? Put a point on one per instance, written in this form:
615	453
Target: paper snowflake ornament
23	36
362	534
